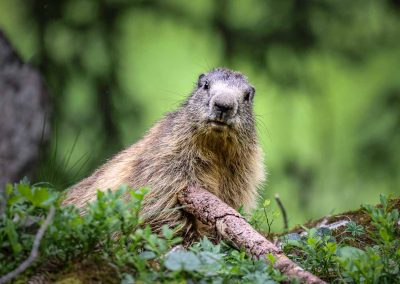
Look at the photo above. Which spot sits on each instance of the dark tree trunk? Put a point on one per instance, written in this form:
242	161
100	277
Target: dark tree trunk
23	116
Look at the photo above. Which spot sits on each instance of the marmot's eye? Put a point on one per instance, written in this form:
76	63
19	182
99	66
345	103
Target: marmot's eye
206	85
249	94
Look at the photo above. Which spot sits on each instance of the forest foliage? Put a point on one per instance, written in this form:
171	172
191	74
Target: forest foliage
326	75
110	243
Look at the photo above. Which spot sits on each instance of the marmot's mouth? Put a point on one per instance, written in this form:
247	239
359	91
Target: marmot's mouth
218	124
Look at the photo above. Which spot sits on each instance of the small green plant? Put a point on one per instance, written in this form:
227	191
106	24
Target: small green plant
378	263
319	252
112	231
385	222
354	229
264	217
109	223
315	251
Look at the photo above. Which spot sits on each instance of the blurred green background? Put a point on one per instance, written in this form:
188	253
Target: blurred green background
326	74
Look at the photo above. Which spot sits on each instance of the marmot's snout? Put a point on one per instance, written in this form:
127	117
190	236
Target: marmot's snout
223	107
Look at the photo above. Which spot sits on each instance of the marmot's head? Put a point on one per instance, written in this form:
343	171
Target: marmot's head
222	102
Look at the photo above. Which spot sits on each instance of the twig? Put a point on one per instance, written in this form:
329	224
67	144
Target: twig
212	211
34	252
283	211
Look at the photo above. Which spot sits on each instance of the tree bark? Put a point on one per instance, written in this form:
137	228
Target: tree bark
210	210
23	109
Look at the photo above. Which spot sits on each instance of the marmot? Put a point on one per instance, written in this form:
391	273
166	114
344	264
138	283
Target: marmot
209	141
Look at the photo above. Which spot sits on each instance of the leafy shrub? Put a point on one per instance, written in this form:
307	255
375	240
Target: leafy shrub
111	230
319	252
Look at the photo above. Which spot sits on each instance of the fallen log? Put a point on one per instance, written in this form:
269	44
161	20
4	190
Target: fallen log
210	210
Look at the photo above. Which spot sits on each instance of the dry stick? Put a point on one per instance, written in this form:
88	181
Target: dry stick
283	211
210	210
34	252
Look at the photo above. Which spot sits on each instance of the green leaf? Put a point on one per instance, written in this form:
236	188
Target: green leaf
100	194
331	247
25	190
13	236
322	232
206	245
291	237
180	260
167	232
354	229
127	279
266	203
42	197
349	253
14	199
9	189
384	201
271	258
147	255
385	235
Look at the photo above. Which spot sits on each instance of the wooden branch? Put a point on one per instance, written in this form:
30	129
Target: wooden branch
34	252
210	210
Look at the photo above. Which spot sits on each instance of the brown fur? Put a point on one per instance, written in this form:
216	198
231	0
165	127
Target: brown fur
182	150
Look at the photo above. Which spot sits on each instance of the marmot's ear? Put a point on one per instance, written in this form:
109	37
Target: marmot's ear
253	91
249	94
200	80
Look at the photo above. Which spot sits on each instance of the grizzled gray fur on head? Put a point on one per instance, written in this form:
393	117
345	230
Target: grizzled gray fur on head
223	101
208	142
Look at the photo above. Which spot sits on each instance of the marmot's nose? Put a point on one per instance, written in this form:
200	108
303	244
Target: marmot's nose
224	107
